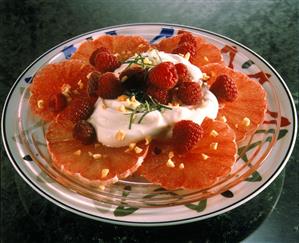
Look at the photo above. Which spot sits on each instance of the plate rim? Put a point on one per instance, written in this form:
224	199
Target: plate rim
164	223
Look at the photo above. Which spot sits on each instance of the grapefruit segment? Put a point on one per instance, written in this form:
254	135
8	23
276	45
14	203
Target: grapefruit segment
68	76
197	169
247	112
121	45
94	162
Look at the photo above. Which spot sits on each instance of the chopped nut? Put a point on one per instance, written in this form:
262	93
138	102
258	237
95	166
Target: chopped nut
122	108
78	152
170	154
90	153
214	146
214	133
80	84
132	146
88	75
236	125
97	156
147	61
104	172
223	118
120	135
205	77
246	121
40	104
181	166
206	58
187	56
148	140
133	98
204	156
65	89
124	78
170	163
102	187
138	150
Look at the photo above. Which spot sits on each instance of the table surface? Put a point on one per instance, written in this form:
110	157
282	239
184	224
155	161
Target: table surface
29	28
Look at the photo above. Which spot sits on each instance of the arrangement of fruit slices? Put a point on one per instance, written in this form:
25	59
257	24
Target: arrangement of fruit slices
194	157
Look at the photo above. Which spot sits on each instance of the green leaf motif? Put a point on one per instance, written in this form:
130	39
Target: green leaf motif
199	207
121	211
254	177
247	64
282	133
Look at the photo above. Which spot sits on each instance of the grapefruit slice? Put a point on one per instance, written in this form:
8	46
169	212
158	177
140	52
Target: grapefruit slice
121	45
95	163
247	112
68	77
205	52
197	169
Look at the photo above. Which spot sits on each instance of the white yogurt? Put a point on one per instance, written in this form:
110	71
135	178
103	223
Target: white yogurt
109	119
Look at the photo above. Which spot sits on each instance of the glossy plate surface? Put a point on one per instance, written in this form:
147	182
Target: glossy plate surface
267	151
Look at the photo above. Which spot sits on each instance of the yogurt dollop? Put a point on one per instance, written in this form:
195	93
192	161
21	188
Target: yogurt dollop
111	121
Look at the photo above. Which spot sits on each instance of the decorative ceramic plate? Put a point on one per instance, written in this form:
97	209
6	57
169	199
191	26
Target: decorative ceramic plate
264	155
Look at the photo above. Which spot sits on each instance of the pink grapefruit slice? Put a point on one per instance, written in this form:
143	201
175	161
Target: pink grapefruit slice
95	163
211	159
247	112
121	45
65	77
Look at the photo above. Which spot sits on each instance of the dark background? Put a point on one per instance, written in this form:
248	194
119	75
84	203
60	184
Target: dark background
29	28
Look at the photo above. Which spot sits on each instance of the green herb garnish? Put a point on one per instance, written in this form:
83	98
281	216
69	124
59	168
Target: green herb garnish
148	105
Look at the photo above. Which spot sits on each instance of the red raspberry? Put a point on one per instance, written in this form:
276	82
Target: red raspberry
189	93
109	86
106	62
133	78
187	38
183	73
57	102
84	132
92	83
186	135
163	76
160	95
78	109
225	88
184	48
92	58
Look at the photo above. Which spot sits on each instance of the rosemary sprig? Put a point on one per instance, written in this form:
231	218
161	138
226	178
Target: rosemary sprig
148	105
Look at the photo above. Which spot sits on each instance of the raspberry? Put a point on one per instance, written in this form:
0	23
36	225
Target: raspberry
163	75
78	109
84	132
106	62
133	78
109	86
184	48
160	95
183	73
187	38
92	58
92	83
224	88
57	102
189	93
186	135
